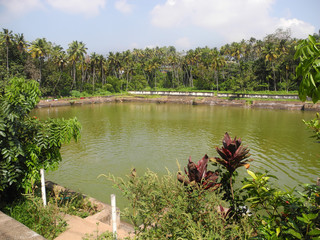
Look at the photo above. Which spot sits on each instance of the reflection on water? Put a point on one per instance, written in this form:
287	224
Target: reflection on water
119	136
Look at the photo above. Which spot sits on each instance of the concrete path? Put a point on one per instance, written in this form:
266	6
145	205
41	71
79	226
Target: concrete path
89	227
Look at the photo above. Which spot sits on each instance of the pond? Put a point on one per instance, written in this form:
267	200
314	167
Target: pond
119	136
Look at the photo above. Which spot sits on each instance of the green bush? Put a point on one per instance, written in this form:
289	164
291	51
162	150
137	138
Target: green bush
75	93
283	214
163	208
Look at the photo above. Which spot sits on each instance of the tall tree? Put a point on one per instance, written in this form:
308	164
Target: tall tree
21	43
39	49
93	63
60	58
270	53
76	52
217	62
7	38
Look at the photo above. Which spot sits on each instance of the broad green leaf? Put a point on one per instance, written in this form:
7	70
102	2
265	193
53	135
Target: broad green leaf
311	216
312	39
314	232
294	233
252	174
302	219
312	81
253	198
247	186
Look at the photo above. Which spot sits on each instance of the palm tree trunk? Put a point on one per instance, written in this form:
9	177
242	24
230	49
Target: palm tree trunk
40	72
217	80
93	76
74	76
7	61
274	77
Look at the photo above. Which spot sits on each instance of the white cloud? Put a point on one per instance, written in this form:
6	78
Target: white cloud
14	8
87	7
123	6
232	19
183	43
299	29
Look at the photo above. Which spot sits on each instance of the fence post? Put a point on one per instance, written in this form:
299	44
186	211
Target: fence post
114	216
43	187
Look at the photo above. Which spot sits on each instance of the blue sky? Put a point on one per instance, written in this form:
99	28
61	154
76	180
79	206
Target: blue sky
118	25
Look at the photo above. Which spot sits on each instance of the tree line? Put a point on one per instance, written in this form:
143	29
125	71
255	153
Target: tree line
248	65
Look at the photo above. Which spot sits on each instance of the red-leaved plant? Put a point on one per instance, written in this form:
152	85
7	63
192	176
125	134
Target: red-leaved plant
233	155
198	175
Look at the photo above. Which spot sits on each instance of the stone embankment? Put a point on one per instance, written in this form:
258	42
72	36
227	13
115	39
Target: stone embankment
213	101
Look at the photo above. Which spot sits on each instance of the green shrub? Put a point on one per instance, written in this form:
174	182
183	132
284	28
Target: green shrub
75	93
163	208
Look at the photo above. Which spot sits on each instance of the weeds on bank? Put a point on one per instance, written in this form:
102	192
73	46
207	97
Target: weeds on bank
97	236
48	221
72	203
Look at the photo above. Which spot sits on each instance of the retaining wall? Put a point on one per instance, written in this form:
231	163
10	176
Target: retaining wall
11	229
212	94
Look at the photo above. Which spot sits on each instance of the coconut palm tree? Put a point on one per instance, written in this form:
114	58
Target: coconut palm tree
60	58
270	54
21	43
217	62
39	49
101	62
76	52
7	38
93	63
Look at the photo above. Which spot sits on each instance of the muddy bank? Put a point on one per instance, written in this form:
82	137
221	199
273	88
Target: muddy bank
286	105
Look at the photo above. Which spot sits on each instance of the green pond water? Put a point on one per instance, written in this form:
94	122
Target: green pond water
119	136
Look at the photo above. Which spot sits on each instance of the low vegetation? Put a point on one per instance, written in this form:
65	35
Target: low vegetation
205	204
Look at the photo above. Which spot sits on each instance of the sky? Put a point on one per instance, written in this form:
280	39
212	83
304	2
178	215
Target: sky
118	25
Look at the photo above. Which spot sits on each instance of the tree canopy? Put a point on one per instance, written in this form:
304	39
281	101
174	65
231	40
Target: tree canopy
249	65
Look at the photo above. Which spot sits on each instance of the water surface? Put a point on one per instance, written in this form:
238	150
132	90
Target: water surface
119	136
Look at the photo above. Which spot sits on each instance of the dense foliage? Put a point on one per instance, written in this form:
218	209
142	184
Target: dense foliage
27	143
309	68
266	64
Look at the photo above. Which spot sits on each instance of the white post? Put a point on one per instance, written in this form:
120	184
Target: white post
114	216
43	187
